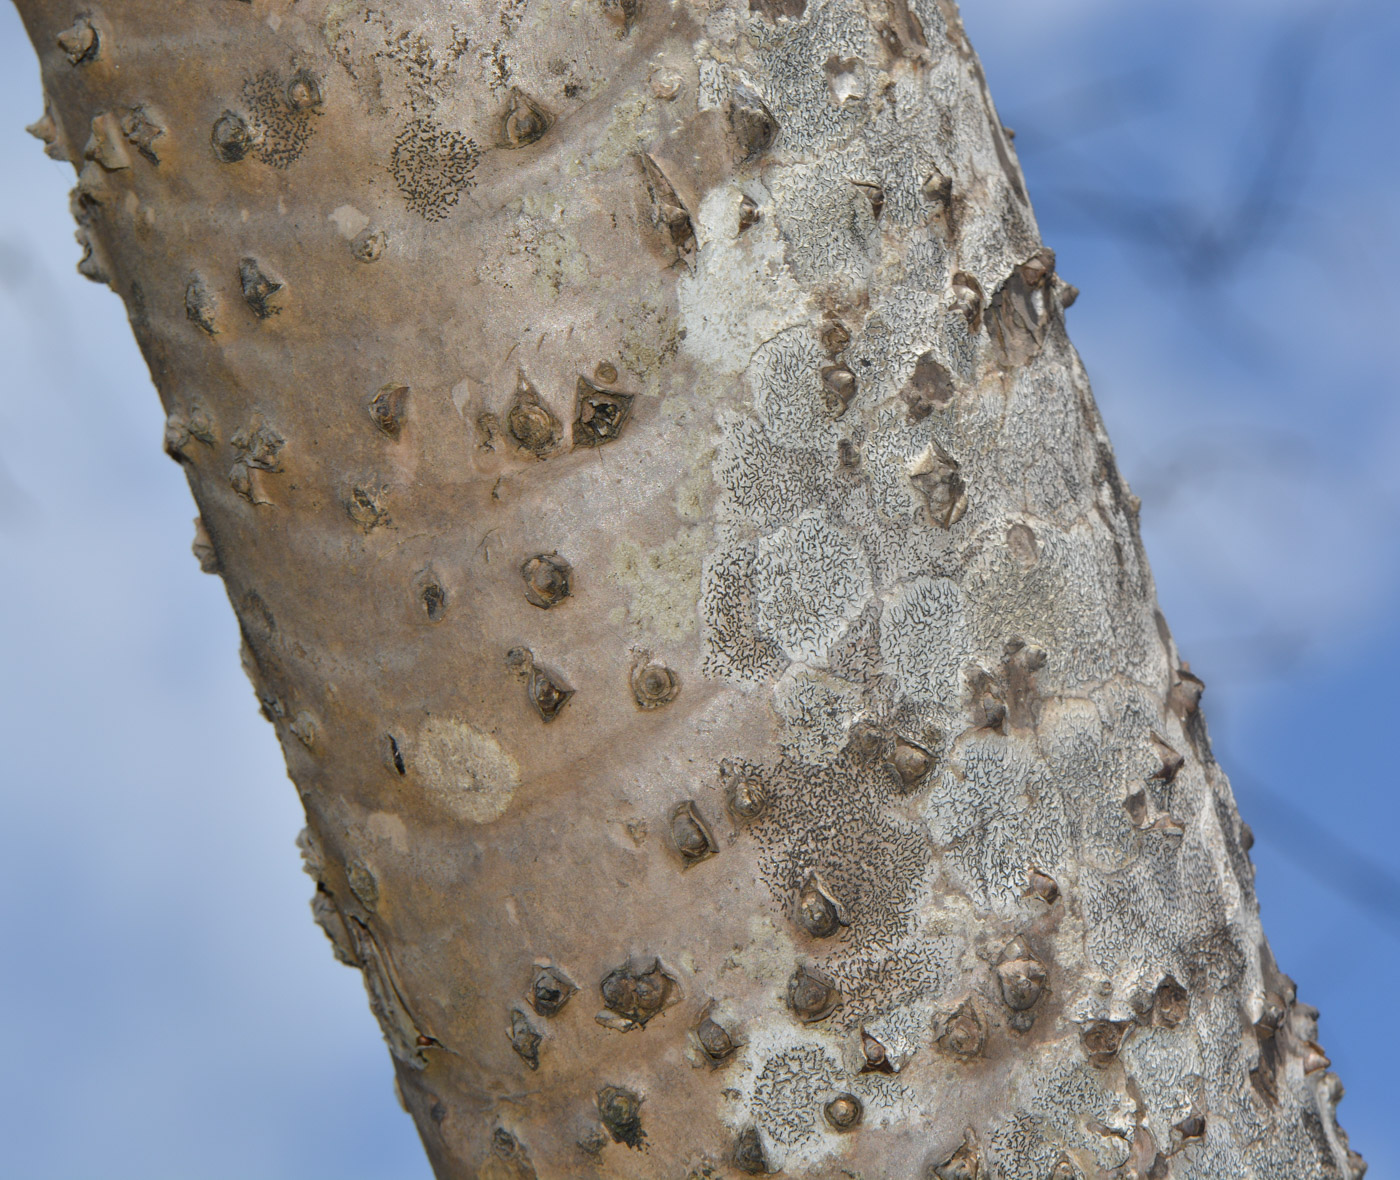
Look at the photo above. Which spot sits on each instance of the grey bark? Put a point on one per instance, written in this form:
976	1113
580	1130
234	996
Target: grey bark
676	545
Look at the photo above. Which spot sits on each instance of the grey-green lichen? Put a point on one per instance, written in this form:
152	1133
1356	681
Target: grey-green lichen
662	583
824	517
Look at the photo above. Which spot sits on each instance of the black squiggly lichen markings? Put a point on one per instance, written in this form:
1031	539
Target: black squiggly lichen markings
788	1092
857	654
901	980
1026	1147
734	647
281	117
836	820
986	853
433	165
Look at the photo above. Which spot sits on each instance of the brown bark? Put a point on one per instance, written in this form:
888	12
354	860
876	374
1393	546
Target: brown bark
675	542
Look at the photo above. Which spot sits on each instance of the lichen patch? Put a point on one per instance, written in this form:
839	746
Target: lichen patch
464	770
663	583
725	316
389	828
810	582
348	220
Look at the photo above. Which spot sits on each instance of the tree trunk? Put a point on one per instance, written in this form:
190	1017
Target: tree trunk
676	545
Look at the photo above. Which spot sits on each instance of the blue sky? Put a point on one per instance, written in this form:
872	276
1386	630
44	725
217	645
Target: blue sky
1219	179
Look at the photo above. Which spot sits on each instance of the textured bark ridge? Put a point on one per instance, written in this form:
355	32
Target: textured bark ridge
676	545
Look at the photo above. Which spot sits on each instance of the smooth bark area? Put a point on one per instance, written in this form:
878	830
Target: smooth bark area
675	542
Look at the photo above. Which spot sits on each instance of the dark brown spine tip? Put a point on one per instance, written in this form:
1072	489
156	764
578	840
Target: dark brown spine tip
746	797
620	1111
530	421
550	991
548	580
1102	1039
750	1157
964	1034
817	911
525	121
1022	976
387	408
877	1057
715	1040
654	685
911	762
838	388
875	194
755	128
230	137
303	91
843	1112
546	694
81	42
812	995
691	835
749	215
963	1164
633	994
524	1039
600	414
261	291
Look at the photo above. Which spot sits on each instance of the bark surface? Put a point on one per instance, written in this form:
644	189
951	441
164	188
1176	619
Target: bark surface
675	542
